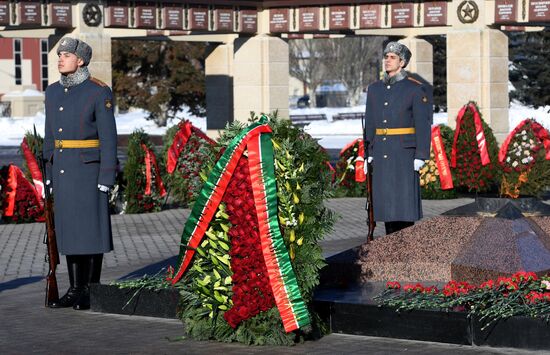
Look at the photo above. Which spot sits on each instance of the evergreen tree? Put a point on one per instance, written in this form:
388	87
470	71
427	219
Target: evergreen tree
529	72
439	44
159	76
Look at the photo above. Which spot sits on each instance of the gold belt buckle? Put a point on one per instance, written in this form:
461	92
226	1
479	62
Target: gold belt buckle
385	131
59	143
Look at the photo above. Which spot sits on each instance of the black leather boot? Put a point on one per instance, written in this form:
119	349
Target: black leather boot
72	294
96	262
82	282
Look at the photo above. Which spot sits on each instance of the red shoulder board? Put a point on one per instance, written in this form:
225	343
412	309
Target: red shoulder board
414	80
97	81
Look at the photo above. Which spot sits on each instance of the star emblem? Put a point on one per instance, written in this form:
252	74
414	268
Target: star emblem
468	11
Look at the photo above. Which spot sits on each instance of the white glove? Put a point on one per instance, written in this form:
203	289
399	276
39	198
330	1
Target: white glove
103	188
418	164
366	166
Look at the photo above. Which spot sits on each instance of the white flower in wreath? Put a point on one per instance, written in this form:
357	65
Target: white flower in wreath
515	163
545	284
515	144
518	153
531	141
524	132
527	153
508	159
525	160
524	138
530	159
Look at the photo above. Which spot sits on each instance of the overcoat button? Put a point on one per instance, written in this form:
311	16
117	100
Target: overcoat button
384	138
385	121
385	104
62	171
68	89
61	108
60	130
389	87
385	157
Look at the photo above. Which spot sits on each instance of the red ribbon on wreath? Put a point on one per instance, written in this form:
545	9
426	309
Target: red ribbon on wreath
151	159
539	131
445	176
359	161
480	135
34	170
12	190
179	142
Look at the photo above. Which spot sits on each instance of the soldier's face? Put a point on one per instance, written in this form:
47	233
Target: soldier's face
68	63
392	63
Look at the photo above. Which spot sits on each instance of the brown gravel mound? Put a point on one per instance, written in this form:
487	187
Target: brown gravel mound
423	252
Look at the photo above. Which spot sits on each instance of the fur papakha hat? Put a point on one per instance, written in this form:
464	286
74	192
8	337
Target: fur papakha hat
80	48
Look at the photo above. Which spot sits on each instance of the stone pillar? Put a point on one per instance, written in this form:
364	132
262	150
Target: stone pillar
260	76
421	61
100	65
219	87
477	69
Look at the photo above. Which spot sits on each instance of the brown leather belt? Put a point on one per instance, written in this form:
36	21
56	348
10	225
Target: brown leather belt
76	143
394	131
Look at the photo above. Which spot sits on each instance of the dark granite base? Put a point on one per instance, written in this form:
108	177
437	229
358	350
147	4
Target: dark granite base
111	299
527	206
353	311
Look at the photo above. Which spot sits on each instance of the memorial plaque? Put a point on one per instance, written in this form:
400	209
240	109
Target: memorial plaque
248	21
118	16
505	11
30	13
369	16
309	18
278	20
224	19
402	15
198	18
435	13
339	17
4	13
539	10
173	17
146	16
61	14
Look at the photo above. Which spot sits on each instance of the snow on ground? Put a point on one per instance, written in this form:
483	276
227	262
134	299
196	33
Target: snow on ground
12	130
336	134
331	134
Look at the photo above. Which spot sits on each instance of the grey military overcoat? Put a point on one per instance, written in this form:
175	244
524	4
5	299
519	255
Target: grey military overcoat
396	186
81	112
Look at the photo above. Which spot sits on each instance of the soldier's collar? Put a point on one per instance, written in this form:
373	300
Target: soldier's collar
75	78
394	79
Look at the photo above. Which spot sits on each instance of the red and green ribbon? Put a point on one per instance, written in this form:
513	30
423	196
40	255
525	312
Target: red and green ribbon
257	139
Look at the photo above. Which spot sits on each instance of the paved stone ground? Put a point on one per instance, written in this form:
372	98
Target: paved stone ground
142	240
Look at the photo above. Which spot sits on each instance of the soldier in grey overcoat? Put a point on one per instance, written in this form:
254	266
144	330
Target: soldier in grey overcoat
80	146
398	130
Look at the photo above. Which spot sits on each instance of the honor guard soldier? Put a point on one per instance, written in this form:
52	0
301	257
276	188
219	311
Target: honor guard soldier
80	146
398	129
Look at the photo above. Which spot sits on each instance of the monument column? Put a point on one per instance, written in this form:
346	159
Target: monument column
421	61
477	69
100	65
477	64
219	87
260	76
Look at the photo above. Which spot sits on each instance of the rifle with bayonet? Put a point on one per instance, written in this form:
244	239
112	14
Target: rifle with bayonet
52	255
371	223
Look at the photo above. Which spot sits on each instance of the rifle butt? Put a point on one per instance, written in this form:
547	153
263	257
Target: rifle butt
52	292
